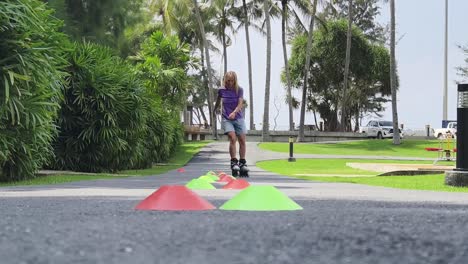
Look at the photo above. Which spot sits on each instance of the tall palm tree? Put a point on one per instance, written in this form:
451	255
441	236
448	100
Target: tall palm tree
396	131
284	21
266	109
224	14
185	24
344	100
165	8
171	10
208	65
300	137
247	14
284	5
249	62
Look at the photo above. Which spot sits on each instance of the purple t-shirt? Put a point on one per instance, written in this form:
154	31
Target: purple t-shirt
230	101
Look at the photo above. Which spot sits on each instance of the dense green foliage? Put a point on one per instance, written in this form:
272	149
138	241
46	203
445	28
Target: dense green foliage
115	117
162	66
102	117
365	13
163	134
369	72
80	101
164	62
101	21
31	78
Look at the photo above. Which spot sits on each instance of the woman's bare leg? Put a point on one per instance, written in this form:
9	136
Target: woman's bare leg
232	144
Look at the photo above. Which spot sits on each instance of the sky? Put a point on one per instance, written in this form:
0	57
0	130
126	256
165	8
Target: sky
419	55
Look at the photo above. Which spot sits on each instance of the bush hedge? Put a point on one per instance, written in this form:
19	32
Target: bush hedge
102	117
109	120
31	78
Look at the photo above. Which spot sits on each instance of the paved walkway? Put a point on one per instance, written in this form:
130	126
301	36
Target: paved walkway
95	222
215	157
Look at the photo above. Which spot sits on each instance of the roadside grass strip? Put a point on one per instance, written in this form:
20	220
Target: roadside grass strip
59	178
384	147
182	155
335	170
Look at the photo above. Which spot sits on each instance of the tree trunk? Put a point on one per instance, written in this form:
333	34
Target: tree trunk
344	99
396	131
300	138
266	109
249	62
205	79
208	65
224	46
356	128
202	113
284	4
315	119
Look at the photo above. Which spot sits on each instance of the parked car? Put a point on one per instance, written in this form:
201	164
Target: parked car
441	133
379	129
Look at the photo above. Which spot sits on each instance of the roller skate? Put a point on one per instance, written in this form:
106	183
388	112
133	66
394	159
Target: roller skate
243	169
235	167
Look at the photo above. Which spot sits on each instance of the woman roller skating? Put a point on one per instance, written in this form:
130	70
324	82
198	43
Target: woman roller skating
233	124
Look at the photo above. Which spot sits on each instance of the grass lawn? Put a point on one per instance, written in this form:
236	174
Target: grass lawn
183	154
334	167
408	148
422	182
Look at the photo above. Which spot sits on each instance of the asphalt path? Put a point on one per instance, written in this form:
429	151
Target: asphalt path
95	222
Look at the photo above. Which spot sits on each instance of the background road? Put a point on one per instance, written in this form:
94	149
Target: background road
94	222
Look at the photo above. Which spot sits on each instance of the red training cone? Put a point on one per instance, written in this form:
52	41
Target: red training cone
181	170
174	198
237	184
225	178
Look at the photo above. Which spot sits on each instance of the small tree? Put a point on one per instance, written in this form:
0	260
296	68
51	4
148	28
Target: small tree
369	71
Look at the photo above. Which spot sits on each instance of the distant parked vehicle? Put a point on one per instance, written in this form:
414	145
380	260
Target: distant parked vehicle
379	129
441	133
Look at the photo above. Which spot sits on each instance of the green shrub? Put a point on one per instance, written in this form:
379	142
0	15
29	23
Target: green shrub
102	120
31	77
164	134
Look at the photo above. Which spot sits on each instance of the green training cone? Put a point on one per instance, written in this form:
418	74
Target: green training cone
198	184
206	178
212	176
260	198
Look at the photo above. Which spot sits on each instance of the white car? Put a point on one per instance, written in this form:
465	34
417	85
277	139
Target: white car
379	129
450	130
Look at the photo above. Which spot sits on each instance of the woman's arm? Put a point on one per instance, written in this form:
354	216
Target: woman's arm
239	106
237	109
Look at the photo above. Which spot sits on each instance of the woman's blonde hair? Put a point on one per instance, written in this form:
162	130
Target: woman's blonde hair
233	75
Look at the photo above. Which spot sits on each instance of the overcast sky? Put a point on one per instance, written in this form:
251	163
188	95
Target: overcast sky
420	58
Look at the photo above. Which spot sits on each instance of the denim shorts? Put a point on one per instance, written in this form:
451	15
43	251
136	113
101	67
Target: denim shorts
237	126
